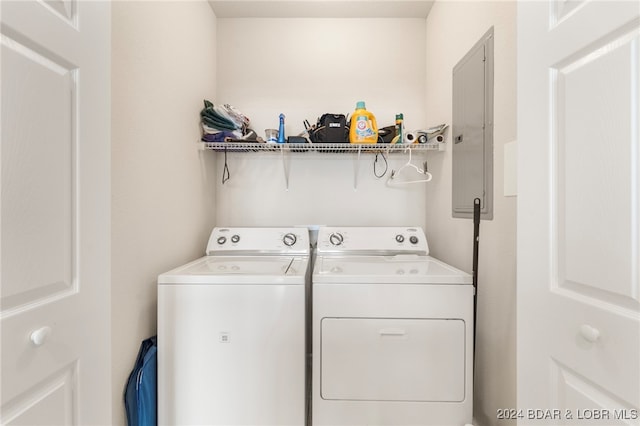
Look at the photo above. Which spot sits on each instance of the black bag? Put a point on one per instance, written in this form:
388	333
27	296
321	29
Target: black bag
331	128
141	390
386	134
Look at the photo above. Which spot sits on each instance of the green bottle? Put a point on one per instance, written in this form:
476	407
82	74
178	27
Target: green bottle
399	127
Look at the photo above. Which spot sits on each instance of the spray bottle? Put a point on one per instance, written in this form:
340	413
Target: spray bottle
281	137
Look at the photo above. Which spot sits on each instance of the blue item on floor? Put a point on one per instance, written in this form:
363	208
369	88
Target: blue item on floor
140	394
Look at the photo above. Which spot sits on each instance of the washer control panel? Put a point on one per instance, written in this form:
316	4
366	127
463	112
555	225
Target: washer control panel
258	240
374	240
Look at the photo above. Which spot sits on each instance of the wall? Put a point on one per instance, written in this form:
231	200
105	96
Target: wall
163	65
304	67
164	62
452	29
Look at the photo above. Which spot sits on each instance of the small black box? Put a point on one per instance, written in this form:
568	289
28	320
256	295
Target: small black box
299	141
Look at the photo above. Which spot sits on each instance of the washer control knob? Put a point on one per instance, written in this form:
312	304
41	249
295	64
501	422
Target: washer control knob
336	238
413	239
400	238
222	240
235	238
289	239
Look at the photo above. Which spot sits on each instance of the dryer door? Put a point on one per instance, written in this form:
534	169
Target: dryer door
382	359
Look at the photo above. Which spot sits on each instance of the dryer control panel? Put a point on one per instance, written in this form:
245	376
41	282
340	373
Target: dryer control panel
237	241
387	240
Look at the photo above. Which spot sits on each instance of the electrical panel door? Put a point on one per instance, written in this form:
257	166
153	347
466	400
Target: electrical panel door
473	130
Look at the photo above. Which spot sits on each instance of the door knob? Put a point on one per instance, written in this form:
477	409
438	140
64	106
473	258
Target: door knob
590	334
39	336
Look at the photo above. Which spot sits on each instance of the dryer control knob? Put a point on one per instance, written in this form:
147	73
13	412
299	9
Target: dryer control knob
222	240
235	238
289	239
336	239
400	238
413	239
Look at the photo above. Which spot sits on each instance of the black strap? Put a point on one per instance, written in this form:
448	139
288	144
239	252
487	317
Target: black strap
476	241
375	163
225	171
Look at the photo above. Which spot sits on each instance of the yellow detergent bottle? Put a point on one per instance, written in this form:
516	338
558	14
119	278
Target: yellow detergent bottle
363	127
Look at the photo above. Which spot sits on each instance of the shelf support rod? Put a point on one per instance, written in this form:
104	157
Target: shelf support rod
285	168
356	168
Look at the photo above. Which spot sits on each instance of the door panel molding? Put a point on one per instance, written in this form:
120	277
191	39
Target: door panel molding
39	176
577	394
55	397
561	10
595	216
67	10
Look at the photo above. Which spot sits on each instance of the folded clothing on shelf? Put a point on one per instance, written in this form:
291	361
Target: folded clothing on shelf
224	122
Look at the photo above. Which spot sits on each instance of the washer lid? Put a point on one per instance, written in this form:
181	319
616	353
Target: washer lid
239	270
401	269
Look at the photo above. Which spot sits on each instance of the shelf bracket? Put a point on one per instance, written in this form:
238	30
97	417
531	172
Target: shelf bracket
285	167
356	169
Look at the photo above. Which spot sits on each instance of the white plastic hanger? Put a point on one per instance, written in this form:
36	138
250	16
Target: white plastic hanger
393	177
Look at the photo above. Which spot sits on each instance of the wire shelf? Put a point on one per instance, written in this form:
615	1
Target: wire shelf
318	147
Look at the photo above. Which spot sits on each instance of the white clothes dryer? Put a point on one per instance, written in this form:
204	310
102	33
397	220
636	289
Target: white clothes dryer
392	331
231	331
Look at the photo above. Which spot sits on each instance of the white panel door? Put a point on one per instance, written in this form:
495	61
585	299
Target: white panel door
578	212
55	212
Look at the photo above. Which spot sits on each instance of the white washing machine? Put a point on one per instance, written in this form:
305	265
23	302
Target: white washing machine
392	331
231	331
